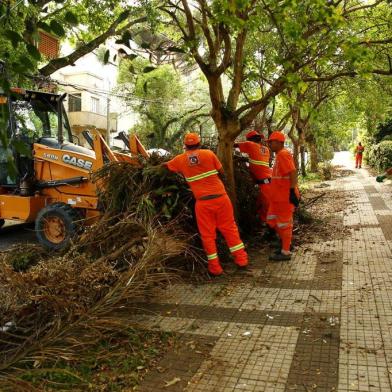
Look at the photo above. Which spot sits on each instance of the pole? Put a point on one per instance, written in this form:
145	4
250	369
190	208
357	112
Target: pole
108	120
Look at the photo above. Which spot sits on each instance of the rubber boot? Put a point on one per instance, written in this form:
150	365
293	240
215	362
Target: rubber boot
241	258
214	267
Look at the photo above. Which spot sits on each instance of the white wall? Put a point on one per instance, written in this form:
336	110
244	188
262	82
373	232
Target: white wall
99	79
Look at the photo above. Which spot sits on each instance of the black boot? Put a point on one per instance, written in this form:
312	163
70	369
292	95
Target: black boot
270	234
279	257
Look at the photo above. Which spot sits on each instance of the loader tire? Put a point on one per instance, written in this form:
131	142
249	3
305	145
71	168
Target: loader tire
56	224
2	221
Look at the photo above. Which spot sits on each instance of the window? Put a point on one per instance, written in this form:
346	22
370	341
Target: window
37	118
75	102
94	105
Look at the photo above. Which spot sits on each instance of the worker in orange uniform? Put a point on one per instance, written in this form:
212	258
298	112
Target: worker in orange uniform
214	211
284	195
358	155
259	159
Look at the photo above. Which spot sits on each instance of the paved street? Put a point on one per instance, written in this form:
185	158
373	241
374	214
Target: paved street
12	234
322	322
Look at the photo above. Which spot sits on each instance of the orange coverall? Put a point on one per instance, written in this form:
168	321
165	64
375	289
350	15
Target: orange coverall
280	213
259	157
214	210
358	156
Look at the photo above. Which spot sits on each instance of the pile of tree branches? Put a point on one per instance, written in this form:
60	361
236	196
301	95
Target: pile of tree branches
56	307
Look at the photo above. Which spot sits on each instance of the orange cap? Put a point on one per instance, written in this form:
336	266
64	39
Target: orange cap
251	134
278	136
191	139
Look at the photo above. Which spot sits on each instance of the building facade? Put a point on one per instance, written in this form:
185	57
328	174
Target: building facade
92	101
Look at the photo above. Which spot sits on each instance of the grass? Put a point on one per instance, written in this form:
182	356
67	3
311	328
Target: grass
308	181
113	365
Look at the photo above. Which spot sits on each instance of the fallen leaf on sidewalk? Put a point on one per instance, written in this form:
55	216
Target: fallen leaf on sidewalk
172	382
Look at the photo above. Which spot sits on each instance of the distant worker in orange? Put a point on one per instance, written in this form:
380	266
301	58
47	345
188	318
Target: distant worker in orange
259	159
358	155
214	211
284	195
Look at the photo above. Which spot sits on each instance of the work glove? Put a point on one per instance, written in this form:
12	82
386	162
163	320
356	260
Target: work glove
381	178
293	198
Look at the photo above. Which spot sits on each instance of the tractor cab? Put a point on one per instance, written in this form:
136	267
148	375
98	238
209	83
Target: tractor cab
29	117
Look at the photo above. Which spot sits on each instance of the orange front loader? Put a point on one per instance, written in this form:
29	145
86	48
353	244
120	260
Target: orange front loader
52	186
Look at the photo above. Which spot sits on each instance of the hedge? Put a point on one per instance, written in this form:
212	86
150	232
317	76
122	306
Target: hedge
380	155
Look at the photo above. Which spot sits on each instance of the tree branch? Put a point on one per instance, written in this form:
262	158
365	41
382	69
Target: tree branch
257	106
351	74
56	64
238	70
362	7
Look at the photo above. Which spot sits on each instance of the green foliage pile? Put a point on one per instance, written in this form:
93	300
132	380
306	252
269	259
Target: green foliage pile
149	192
379	155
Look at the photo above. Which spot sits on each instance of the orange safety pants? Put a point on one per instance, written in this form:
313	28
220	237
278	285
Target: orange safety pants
263	201
280	217
358	160
217	214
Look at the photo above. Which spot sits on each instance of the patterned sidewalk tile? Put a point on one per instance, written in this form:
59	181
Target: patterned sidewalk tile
322	322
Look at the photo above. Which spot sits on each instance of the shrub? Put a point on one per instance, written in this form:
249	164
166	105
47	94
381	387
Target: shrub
327	152
325	170
380	155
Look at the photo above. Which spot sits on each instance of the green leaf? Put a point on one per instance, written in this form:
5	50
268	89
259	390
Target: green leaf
44	26
24	64
123	16
148	69
11	168
106	56
57	28
122	52
14	37
71	18
175	49
125	38
21	147
145	45
33	51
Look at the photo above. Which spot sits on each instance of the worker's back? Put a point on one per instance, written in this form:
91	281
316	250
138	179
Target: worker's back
200	169
259	157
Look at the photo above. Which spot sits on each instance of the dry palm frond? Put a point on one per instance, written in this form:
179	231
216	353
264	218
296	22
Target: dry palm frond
61	329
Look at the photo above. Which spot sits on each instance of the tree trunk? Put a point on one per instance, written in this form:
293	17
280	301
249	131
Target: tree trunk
228	131
313	158
295	152
310	140
301	141
303	160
